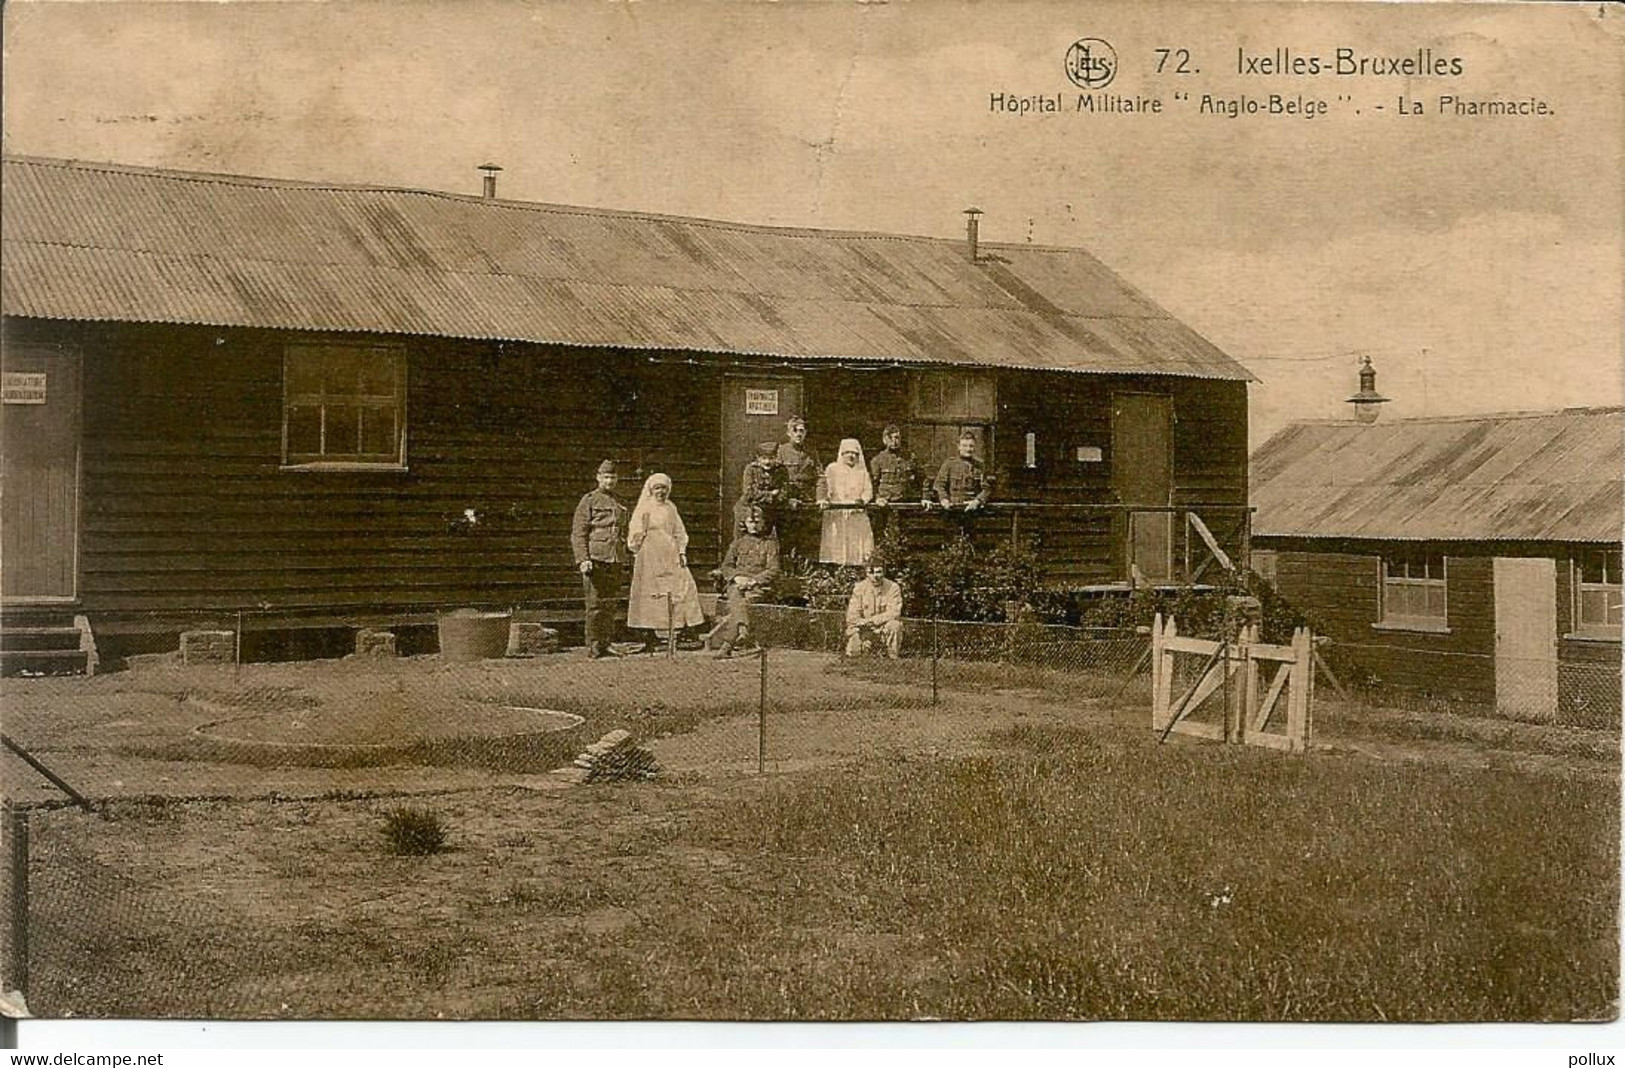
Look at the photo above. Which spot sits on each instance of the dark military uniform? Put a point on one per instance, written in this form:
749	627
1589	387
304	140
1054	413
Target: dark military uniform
895	475
961	481
800	528
801	471
598	533
761	486
752	556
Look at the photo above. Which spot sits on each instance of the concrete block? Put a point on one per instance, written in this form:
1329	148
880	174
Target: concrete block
379	643
208	647
531	639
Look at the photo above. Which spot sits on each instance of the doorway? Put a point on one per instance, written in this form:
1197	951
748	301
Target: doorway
1142	475
1526	637
753	411
39	475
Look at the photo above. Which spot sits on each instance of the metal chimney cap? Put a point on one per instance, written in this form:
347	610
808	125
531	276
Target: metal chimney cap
973	211
490	168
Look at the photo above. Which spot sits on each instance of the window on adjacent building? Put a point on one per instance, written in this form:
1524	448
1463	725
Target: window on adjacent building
343	404
1597	592
1031	459
1413	590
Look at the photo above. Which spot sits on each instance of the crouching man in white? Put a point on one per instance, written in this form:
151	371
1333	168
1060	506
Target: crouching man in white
875	612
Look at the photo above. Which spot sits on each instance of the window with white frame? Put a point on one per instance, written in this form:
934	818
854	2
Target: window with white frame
1597	592
343	404
1413	589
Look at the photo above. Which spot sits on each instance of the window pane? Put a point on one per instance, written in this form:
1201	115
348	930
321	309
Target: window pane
949	395
343	430
377	372
304	431
1613	608
1435	602
304	371
378	431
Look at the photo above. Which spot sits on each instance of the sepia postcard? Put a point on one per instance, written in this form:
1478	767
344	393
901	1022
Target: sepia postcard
815	511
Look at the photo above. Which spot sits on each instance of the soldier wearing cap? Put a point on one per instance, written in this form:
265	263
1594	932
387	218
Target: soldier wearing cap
747	572
762	486
598	539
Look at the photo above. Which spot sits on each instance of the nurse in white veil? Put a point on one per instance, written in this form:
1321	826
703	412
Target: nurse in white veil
847	538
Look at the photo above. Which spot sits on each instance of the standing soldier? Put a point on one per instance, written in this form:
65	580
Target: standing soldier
801	471
762	486
598	538
963	481
895	474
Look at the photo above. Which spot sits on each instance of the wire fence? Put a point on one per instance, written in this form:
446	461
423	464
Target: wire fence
317	752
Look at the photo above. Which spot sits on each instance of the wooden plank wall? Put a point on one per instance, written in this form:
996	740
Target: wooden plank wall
1339	591
186	507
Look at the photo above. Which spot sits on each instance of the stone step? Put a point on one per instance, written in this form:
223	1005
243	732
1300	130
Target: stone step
25	638
15	662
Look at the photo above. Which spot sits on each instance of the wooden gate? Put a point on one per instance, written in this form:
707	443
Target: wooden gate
1264	691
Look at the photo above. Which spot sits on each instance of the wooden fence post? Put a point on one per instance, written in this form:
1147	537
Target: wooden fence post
1161	684
17	831
1297	705
761	717
936	657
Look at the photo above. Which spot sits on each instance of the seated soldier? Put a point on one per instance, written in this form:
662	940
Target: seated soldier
748	569
875	613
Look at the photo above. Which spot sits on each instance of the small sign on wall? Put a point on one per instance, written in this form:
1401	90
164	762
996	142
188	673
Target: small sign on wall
761	402
22	387
1089	454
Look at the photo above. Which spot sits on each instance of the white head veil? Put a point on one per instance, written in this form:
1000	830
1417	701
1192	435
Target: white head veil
646	504
848	485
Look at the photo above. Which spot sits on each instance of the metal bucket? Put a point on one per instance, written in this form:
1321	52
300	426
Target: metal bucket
468	634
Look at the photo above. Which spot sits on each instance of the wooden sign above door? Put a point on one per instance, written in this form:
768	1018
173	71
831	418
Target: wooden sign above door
22	387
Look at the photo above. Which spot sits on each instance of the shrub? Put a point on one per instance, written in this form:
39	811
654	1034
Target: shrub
414	832
963	582
1201	613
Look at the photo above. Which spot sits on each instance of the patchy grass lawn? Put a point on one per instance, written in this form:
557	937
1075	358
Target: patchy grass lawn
1059	874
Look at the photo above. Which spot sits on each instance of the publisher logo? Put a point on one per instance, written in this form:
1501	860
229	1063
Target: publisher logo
1091	63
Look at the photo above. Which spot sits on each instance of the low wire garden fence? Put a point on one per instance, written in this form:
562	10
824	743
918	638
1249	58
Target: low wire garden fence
276	752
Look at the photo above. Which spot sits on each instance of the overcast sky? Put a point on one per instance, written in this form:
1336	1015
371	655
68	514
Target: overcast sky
1477	260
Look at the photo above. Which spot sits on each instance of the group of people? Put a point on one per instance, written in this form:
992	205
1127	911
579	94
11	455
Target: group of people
783	479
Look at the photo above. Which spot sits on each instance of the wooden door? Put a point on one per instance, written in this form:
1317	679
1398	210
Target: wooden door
1526	637
1142	474
754	410
39	474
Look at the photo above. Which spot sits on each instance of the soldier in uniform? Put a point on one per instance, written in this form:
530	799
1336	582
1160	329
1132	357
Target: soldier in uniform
799	530
598	539
963	481
748	569
895	475
762	486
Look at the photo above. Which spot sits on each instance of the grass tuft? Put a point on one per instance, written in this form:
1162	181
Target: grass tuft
414	832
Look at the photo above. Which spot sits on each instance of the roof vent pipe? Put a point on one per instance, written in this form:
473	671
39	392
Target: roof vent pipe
972	227
490	170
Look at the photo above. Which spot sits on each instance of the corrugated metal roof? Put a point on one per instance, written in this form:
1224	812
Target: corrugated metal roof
107	242
1525	476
